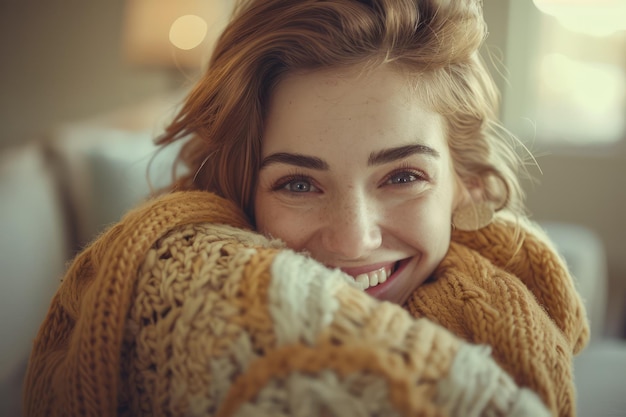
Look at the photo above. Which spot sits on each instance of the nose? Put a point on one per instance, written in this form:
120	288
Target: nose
352	227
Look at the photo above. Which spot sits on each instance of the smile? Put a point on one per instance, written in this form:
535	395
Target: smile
374	277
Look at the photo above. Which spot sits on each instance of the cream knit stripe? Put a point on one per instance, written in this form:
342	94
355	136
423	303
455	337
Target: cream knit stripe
302	302
302	299
321	394
187	345
210	338
388	326
418	347
476	386
96	381
224	370
348	361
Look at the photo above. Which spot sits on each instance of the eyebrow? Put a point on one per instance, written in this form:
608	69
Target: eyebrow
375	158
401	152
295	159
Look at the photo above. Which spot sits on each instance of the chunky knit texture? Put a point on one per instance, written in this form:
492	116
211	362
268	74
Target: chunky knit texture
181	310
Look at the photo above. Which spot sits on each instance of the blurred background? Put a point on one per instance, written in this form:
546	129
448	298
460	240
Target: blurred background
86	86
561	69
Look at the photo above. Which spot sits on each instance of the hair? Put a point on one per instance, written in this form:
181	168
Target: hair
435	42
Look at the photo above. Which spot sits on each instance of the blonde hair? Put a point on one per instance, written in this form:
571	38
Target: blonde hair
435	42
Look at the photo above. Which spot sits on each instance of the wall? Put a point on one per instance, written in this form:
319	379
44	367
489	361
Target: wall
61	62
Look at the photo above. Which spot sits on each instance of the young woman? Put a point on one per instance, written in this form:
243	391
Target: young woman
332	147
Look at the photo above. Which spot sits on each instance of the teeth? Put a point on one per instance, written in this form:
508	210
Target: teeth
363	281
373	278
382	277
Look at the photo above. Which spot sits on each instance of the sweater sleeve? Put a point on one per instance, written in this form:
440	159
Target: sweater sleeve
485	304
74	363
226	323
179	310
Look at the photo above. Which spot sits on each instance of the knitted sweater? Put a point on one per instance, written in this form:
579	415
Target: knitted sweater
182	310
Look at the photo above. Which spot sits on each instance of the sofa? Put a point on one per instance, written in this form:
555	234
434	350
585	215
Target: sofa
59	191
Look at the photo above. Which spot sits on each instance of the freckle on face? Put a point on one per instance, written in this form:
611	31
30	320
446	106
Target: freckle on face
343	120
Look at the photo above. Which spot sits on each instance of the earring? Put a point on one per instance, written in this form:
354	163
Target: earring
472	217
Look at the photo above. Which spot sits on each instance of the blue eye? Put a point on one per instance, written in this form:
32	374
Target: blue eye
403	177
298	186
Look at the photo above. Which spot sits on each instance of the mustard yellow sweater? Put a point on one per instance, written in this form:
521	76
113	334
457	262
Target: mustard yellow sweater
181	310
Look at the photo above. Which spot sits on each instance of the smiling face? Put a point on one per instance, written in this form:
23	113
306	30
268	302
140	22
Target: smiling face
357	173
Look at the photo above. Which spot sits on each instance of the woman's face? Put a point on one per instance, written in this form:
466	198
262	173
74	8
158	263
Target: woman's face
357	173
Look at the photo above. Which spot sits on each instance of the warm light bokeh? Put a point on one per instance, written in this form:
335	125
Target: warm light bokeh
187	32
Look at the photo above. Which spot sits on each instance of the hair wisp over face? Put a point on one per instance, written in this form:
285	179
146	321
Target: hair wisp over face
434	42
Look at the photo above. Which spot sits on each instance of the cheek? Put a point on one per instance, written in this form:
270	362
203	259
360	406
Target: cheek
425	224
276	221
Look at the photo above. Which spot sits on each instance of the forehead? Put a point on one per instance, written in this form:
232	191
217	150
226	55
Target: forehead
341	91
349	109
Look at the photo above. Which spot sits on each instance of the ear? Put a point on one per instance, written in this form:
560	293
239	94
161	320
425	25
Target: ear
467	192
472	210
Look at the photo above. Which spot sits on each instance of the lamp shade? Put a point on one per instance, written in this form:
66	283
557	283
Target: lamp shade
172	33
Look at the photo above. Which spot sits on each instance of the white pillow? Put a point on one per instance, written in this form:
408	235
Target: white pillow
123	171
33	253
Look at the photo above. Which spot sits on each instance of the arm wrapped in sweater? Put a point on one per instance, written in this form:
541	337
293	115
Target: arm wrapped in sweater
506	287
182	310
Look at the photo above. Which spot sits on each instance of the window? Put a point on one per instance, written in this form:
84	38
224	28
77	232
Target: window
567	61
